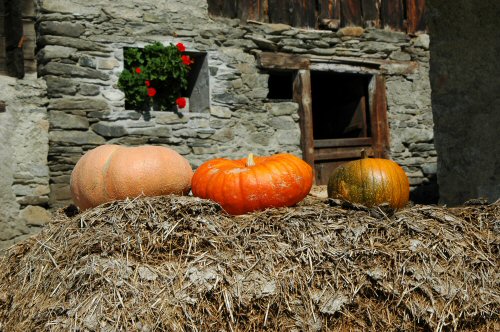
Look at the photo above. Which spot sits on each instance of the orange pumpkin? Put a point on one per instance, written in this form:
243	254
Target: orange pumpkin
253	183
370	182
112	172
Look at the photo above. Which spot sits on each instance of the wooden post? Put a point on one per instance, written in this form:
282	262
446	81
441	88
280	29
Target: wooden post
378	110
302	96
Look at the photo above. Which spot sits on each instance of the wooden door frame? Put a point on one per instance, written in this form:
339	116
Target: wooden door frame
303	65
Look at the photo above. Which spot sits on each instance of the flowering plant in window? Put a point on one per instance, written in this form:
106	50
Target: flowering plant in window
155	76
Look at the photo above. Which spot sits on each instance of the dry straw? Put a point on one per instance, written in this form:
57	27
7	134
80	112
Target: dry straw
180	264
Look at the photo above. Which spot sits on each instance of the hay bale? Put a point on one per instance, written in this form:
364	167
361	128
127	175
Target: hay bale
180	264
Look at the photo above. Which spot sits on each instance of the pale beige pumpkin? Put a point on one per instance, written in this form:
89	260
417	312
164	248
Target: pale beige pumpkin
112	172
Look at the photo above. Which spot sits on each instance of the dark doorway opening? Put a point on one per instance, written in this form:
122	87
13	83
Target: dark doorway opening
340	105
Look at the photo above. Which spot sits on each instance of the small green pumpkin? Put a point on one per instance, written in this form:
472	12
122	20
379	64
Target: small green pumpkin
370	182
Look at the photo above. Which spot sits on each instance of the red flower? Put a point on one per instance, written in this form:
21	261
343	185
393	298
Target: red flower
186	60
148	83
181	102
138	70
181	47
151	92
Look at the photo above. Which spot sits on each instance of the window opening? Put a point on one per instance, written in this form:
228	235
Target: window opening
340	105
197	93
280	85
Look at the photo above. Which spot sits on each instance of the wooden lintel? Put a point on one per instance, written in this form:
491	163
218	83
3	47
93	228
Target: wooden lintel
270	60
373	63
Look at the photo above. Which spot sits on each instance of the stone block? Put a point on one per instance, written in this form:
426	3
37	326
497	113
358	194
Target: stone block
376	46
107	64
63	69
35	216
62	6
78	104
50	52
67	29
109	129
275	29
60	192
30	189
169	118
223	135
282	122
88	89
63	120
221	112
351	32
79	44
73	137
288	137
285	108
387	36
58	86
199	150
158	131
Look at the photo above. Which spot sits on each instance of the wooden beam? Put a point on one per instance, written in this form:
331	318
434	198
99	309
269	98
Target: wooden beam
282	61
302	96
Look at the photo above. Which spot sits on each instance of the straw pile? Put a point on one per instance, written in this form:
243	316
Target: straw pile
181	264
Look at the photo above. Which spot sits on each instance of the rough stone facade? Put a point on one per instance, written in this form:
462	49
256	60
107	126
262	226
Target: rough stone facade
76	105
466	98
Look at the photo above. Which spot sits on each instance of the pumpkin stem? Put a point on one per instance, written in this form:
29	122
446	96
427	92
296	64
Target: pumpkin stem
250	161
364	154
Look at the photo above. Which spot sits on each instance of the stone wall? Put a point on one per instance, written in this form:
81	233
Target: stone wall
24	174
80	56
466	99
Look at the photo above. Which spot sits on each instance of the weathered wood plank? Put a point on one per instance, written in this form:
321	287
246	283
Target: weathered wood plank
302	13
302	96
342	153
225	8
328	14
256	10
278	11
282	61
371	13
351	14
325	9
378	112
415	13
342	142
392	14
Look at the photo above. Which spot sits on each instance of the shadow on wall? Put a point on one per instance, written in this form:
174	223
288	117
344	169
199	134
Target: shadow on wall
464	75
426	193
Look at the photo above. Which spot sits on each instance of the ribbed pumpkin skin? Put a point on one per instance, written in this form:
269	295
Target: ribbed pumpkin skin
274	181
112	172
370	182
